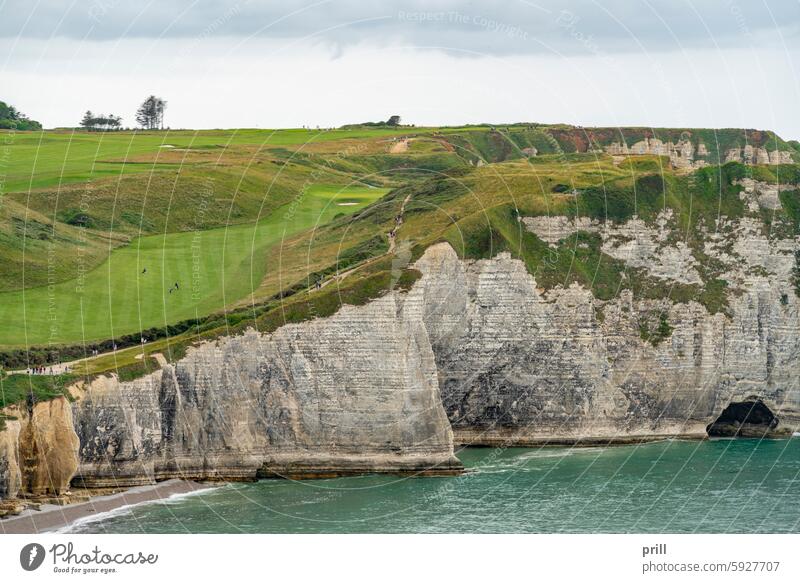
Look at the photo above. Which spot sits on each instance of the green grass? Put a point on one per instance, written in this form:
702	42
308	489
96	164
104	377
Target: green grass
213	268
139	189
45	159
17	388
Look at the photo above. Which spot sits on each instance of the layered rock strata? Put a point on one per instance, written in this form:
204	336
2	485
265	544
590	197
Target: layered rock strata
683	154
38	449
356	392
519	365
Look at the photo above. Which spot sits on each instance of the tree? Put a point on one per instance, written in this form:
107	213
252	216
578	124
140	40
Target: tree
88	120
150	114
101	123
393	121
10	118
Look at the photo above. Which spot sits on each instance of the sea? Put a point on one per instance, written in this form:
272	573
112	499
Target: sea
715	486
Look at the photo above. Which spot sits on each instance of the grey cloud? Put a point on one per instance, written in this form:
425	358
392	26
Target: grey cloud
462	26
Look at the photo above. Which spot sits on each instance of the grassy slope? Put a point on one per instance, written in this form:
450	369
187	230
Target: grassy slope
225	179
46	159
15	388
472	208
213	268
476	212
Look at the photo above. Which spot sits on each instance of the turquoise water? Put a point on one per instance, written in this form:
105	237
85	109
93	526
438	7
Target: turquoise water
711	486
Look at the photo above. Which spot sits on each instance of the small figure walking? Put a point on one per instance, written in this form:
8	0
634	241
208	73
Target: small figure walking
144	270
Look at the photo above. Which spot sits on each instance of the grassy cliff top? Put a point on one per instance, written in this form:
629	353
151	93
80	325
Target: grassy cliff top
180	236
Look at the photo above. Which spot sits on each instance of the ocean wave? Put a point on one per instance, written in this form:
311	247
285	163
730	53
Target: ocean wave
174	498
520	462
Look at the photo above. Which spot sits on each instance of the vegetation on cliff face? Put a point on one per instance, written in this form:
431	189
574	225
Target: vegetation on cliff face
17	389
657	334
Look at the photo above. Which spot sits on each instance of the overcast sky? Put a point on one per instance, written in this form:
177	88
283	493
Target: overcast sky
224	63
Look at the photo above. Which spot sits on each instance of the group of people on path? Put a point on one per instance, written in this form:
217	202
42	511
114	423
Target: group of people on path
44	370
398	220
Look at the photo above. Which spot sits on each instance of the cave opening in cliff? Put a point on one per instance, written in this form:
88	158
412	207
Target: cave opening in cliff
749	418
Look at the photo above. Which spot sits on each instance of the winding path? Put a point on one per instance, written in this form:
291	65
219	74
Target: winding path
392	245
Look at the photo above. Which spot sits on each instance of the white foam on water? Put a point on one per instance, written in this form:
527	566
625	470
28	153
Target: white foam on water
548	454
127	508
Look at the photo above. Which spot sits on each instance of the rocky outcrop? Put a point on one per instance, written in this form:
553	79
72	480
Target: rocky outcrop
757	155
519	365
681	154
553	229
353	393
764	195
38	449
651	248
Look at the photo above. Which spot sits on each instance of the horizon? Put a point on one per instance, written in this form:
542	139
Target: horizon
377	125
448	63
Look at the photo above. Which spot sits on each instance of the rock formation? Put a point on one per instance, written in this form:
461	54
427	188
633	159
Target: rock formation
553	229
757	155
475	352
681	153
762	194
38	449
518	365
353	393
638	244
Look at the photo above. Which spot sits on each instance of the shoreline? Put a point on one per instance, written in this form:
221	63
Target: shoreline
52	517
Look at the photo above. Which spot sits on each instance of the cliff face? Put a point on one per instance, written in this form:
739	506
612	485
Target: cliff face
683	154
520	365
352	393
38	449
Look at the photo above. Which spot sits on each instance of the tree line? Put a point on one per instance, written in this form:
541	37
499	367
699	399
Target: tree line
101	123
149	116
12	119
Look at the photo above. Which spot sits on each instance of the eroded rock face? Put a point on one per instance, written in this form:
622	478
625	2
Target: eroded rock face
756	155
38	450
638	244
554	228
762	194
518	365
681	153
10	478
352	393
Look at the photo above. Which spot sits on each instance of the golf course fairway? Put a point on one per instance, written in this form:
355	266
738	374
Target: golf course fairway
136	289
